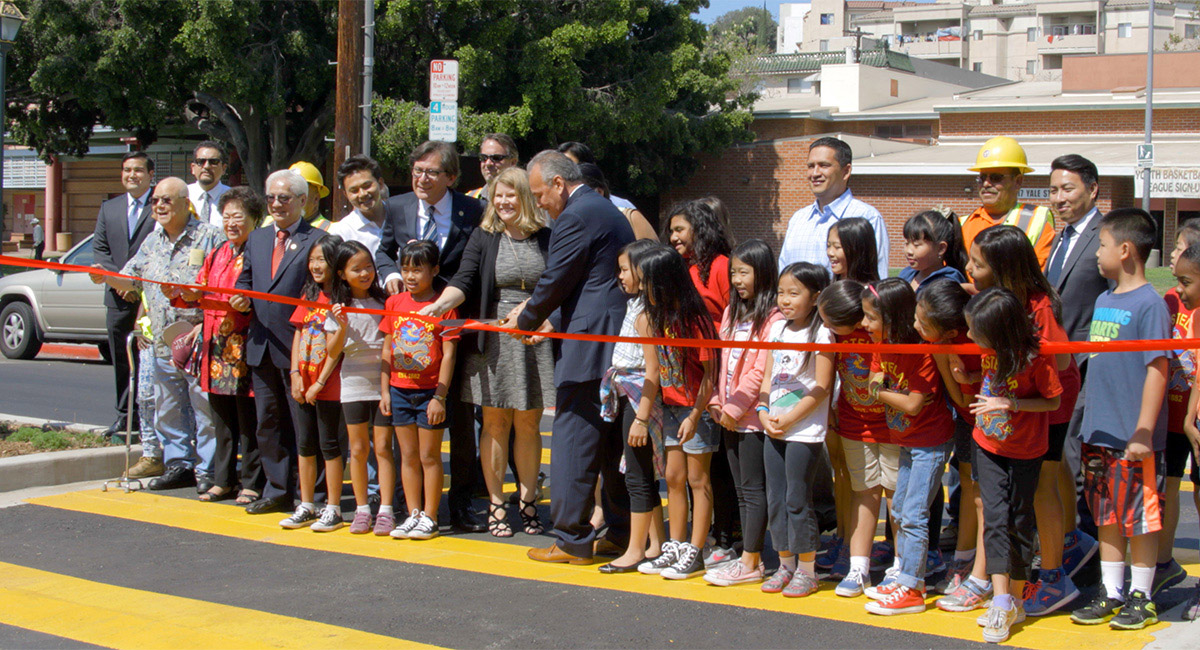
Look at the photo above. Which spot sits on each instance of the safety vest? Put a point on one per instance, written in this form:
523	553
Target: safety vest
1031	219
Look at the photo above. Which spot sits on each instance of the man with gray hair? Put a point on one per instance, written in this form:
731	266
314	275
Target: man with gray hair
580	288
276	262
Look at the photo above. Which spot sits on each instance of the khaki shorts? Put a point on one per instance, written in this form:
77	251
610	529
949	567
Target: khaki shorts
871	464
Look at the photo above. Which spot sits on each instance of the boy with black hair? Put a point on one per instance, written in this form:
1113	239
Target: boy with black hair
1124	430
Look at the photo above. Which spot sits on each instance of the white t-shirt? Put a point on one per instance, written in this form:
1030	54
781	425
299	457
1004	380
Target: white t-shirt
362	354
792	379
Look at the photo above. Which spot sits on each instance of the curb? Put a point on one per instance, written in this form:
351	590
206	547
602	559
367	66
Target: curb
73	427
60	467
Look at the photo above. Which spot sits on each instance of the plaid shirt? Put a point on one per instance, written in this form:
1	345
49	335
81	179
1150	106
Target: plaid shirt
809	228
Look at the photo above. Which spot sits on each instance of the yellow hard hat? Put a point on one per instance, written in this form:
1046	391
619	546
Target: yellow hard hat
311	174
1001	152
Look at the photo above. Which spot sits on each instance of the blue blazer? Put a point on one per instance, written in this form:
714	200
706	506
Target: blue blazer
400	225
581	282
271	329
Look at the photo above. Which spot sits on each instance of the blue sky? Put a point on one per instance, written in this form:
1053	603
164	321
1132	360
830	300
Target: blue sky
718	7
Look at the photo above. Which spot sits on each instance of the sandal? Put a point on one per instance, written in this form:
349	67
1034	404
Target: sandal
246	497
531	521
212	496
498	521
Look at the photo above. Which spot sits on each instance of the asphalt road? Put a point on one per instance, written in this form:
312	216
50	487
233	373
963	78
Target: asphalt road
78	391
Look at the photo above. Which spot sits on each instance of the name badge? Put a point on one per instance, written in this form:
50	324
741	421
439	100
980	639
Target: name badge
196	257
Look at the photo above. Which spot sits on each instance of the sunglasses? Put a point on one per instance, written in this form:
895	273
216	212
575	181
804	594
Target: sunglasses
167	200
283	199
211	162
493	157
994	178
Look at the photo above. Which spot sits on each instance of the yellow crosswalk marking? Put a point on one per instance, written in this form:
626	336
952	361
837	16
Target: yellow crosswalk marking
509	561
119	617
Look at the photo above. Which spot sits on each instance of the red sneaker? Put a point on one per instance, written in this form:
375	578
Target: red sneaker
901	600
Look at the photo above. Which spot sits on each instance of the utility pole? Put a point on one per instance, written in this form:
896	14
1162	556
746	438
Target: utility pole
368	74
347	130
1146	173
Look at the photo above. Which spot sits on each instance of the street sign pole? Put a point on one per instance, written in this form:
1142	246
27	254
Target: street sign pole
443	100
1149	107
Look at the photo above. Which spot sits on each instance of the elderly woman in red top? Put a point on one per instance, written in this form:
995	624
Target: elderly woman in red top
223	371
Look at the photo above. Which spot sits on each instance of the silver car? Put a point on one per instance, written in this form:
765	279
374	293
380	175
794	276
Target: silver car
44	305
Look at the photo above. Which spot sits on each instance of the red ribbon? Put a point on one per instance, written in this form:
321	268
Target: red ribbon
1048	347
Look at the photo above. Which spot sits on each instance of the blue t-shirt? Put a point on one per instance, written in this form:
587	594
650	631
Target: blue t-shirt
1115	379
946	272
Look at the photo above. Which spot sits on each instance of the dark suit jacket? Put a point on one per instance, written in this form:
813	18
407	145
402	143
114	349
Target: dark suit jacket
113	246
400	225
476	277
581	282
1080	282
271	329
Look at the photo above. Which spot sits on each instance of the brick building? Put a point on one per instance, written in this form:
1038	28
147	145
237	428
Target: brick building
763	182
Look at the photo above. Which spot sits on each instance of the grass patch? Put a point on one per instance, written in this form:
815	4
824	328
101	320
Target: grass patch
19	440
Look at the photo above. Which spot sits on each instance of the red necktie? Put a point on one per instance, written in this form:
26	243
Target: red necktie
277	254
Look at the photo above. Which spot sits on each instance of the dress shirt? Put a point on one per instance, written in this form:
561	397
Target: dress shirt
356	227
441	218
1080	227
131	217
196	194
809	227
621	202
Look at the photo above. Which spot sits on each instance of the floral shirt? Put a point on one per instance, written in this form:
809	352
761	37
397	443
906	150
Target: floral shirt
161	260
225	371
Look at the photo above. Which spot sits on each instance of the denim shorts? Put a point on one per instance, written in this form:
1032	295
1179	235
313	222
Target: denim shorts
409	406
706	440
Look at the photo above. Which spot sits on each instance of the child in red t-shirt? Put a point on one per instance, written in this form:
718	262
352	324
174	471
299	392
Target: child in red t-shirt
418	364
1019	390
684	378
919	421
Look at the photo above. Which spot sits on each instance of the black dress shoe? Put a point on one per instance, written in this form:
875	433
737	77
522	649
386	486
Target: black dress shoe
176	476
464	521
613	568
204	484
263	506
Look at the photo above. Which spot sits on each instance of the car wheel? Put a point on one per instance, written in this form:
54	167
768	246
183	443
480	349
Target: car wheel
19	335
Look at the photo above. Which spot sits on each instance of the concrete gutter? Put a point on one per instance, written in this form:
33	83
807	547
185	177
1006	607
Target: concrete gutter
61	467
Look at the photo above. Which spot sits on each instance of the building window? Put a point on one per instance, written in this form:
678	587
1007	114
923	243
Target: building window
895	88
903	131
824	45
977	67
1031	34
1125	30
977	35
826	19
1031	67
1191	31
799	85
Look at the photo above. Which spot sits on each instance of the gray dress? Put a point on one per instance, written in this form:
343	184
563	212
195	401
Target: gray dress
510	374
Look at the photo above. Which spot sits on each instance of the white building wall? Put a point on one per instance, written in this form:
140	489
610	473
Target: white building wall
790	33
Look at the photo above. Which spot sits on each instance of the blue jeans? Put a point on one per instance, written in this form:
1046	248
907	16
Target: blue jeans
151	445
183	419
918	481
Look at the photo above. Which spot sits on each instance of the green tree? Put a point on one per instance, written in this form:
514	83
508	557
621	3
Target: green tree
749	29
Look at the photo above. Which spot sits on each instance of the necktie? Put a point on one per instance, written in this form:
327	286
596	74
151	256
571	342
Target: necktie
429	232
205	208
1054	271
277	254
135	211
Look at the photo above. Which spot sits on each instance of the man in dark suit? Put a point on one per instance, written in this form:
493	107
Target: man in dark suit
436	212
579	287
1072	271
121	226
276	262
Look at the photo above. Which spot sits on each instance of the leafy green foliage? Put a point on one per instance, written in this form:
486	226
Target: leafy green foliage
749	29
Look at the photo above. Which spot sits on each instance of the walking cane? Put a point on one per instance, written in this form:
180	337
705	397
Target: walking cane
124	481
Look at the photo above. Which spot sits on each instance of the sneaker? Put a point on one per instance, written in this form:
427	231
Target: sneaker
828	554
853	584
1167	577
426	528
1078	548
934	562
361	524
1138	612
842	566
384	523
999	622
1192	608
885	586
777	581
717	556
1051	592
670	552
299	519
405	527
734	573
900	600
146	467
331	520
688	564
882	555
982	620
1100	610
955	575
802	584
968	596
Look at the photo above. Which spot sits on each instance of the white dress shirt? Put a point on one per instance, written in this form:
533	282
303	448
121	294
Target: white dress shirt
131	218
1080	227
196	194
356	227
441	218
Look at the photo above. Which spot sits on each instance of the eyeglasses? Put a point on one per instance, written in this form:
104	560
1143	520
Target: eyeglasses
493	157
166	200
282	199
211	162
431	174
998	178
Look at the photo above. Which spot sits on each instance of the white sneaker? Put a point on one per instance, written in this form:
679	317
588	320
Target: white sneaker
426	528
667	557
299	519
331	520
405	527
